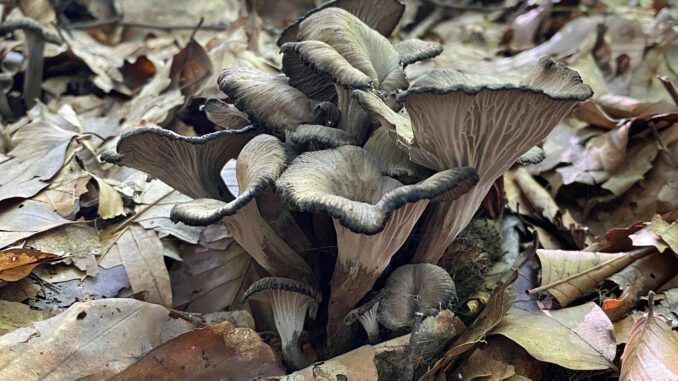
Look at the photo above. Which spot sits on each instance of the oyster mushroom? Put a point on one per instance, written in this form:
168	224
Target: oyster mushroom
291	301
223	115
367	316
393	161
382	16
421	287
272	103
456	120
336	46
372	214
191	165
259	164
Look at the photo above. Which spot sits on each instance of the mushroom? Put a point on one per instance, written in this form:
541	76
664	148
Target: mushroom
271	102
258	165
415	50
383	16
421	287
367	316
36	36
191	165
456	120
338	46
533	156
290	301
393	161
223	115
372	214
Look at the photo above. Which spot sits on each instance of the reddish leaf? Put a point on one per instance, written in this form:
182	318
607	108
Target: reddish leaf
16	264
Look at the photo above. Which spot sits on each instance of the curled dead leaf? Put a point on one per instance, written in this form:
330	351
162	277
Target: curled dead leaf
16	264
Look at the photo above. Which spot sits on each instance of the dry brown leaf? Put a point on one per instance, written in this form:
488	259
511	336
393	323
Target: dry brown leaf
88	337
499	359
208	280
38	153
15	315
537	196
637	162
16	264
569	275
141	252
22	220
110	201
216	352
637	279
651	352
358	364
64	190
667	231
580	337
190	68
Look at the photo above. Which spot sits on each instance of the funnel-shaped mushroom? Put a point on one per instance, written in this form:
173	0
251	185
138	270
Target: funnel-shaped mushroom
258	166
223	115
271	102
190	165
383	16
290	301
335	45
367	316
393	161
373	214
421	287
457	120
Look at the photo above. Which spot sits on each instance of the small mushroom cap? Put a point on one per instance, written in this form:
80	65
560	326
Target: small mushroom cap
223	115
415	50
259	164
414	288
535	155
278	283
393	160
191	165
327	137
383	16
353	316
270	101
347	184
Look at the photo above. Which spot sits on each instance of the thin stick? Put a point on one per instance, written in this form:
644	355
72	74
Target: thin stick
414	341
668	85
118	22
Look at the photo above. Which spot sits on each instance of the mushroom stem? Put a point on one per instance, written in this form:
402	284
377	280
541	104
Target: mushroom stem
446	219
354	120
371	326
270	251
361	260
35	47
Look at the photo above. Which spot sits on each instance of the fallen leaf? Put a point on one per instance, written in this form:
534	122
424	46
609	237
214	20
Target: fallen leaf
637	279
537	196
39	152
15	315
190	68
358	364
499	359
668	232
569	275
637	162
580	337
208	280
25	219
64	190
141	252
16	264
216	352
88	337
651	352
110	201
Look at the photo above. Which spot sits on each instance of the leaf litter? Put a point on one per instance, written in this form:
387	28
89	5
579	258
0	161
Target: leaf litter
99	281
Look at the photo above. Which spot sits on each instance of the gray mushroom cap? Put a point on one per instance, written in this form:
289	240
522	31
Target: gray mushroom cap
421	287
290	301
383	16
191	165
367	316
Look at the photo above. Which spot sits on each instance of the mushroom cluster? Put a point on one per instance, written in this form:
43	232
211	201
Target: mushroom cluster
341	151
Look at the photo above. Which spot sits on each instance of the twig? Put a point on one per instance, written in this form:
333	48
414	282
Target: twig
26	23
117	21
638	252
668	85
414	341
